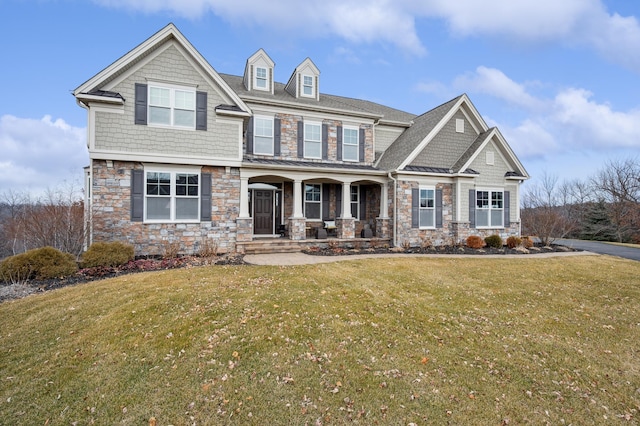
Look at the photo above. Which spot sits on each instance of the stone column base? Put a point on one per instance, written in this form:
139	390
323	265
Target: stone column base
297	228
383	228
346	228
244	230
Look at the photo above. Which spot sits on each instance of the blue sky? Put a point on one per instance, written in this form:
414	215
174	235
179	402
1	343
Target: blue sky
560	79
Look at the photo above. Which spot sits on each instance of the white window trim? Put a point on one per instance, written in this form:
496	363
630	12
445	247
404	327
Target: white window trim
314	202
172	89
266	78
313	86
490	209
262	117
304	139
357	145
432	209
173	171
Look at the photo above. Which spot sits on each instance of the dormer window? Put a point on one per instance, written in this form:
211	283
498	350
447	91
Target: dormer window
261	78
307	85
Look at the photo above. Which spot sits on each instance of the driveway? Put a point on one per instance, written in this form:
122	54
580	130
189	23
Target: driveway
602	248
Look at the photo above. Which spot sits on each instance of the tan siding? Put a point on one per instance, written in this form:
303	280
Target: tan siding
118	132
385	136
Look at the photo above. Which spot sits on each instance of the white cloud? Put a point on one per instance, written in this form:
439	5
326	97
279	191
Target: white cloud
393	22
595	125
40	154
571	121
494	82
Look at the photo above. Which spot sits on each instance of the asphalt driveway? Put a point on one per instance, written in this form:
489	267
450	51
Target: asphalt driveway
602	248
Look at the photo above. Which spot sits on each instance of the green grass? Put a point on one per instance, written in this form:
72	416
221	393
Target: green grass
381	341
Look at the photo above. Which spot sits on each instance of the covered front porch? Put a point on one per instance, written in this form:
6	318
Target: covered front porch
309	205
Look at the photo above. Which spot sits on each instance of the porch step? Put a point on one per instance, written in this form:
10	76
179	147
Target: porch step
276	245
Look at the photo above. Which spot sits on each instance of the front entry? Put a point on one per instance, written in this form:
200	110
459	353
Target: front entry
263	212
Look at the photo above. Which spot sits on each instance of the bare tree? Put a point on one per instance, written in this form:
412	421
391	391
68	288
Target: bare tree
546	210
618	183
56	219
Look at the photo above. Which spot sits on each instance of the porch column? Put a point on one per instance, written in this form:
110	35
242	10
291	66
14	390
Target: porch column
384	201
297	199
346	200
297	222
244	197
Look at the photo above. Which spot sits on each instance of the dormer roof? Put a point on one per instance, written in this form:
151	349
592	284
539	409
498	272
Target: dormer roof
258	72
305	81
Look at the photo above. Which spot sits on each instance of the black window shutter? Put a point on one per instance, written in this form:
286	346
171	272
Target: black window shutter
361	140
325	141
338	200
205	197
141	104
300	139
249	136
325	202
363	202
277	131
339	143
472	208
507	209
415	209
137	195
438	208
201	110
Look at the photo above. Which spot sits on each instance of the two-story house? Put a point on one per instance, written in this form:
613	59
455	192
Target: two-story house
179	152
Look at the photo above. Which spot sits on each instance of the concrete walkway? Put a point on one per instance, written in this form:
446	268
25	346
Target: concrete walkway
306	259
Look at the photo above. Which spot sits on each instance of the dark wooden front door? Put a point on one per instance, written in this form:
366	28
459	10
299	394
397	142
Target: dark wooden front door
263	212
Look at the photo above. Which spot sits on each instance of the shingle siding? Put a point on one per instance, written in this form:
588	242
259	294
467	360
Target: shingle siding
117	132
448	145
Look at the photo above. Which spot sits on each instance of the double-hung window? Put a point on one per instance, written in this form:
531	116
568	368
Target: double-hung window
312	201
312	140
261	78
307	85
172	196
263	136
355	201
172	106
350	144
427	208
490	208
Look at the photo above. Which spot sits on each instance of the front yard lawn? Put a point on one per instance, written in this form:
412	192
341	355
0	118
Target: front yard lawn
378	341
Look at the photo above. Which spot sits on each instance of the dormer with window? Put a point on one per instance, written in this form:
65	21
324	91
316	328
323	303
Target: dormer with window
258	73
304	83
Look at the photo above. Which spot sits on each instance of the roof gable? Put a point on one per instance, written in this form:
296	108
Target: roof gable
168	34
494	137
262	60
296	86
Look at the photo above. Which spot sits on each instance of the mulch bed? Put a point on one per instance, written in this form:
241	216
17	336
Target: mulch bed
11	291
338	251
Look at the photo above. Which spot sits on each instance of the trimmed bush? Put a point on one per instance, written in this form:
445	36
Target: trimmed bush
494	241
107	254
513	241
527	242
40	264
475	242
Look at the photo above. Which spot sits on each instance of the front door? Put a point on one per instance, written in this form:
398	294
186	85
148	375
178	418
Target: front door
263	212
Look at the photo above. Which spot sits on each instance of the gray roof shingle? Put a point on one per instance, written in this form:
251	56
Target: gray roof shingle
410	138
356	107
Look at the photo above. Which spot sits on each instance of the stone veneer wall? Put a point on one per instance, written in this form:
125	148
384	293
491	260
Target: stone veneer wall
416	237
451	232
111	210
